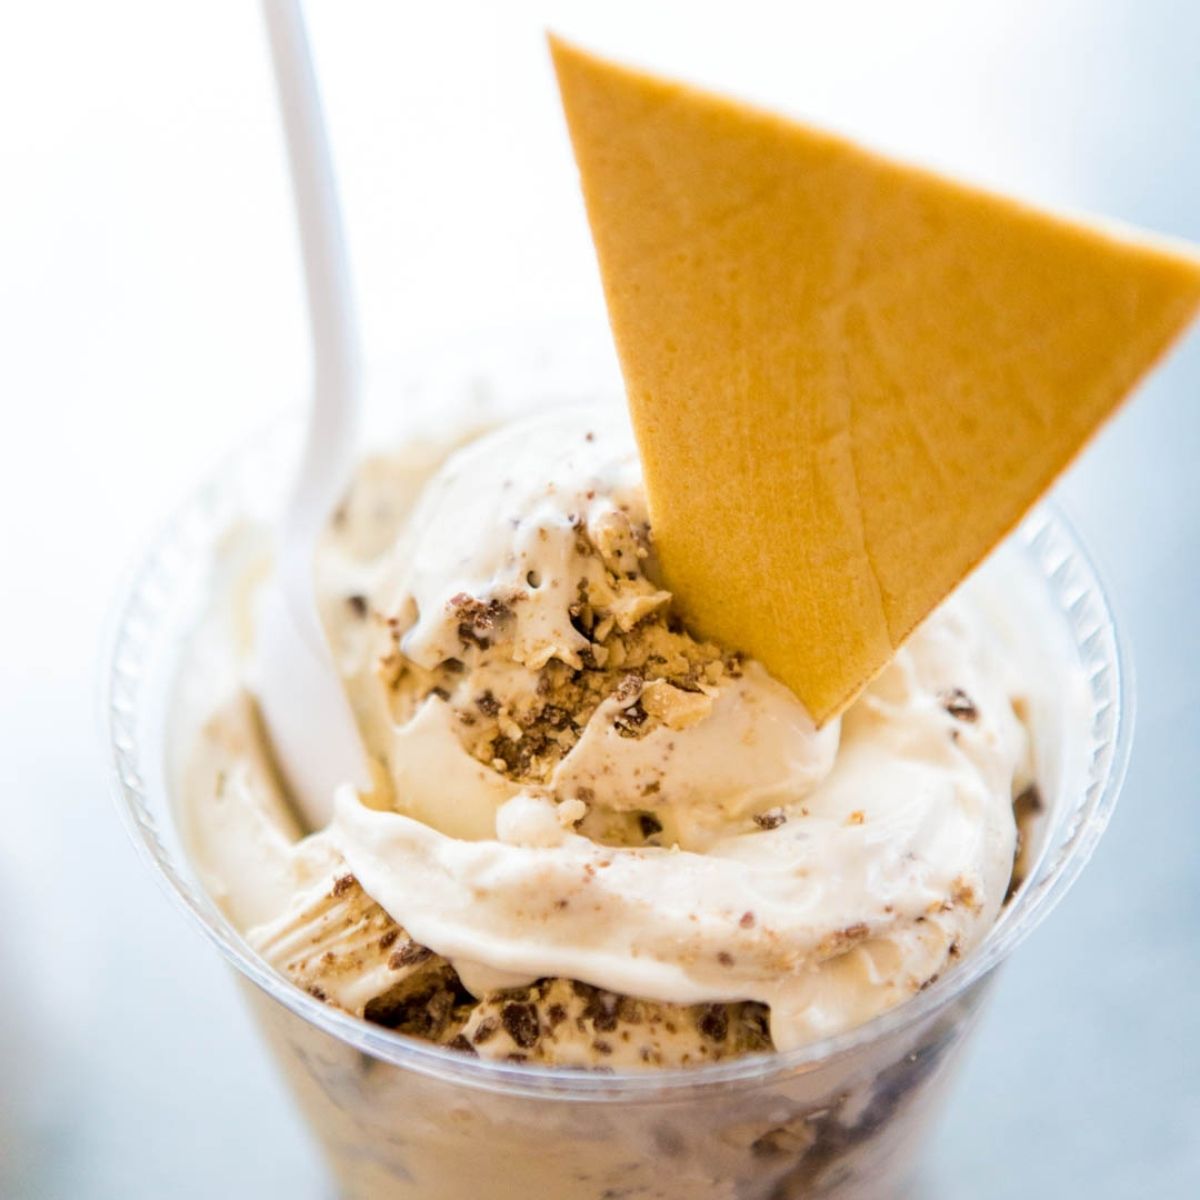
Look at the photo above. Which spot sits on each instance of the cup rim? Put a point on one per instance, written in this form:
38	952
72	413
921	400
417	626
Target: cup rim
1046	536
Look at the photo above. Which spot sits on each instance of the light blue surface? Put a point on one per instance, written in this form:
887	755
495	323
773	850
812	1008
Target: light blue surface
147	278
1085	1079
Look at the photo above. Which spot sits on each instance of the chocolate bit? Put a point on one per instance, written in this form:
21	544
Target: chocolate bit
555	716
518	757
343	884
487	703
602	1008
725	958
771	819
485	1030
461	1044
478	619
713	1022
1029	802
960	706
388	938
358	605
521	1023
468	636
629	720
649	824
426	1013
409	955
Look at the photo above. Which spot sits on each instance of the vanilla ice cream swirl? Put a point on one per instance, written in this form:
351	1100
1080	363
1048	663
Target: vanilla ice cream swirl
579	787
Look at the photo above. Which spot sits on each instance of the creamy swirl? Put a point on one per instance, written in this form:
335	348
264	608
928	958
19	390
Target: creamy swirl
573	786
683	833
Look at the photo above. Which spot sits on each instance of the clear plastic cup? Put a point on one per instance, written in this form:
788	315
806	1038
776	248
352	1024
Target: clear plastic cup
844	1117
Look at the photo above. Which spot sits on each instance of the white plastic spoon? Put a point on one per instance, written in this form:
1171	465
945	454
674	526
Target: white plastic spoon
304	703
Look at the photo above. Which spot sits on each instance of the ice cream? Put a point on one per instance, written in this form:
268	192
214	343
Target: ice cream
596	839
604	831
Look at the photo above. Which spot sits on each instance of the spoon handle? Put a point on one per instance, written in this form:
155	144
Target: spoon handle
334	416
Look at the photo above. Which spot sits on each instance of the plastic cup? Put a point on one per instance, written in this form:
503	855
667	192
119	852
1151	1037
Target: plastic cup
844	1117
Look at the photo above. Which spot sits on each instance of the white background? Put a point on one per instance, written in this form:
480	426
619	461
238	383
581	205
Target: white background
150	316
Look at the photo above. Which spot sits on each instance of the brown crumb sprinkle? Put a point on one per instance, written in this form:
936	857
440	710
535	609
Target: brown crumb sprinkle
960	706
649	824
478	619
714	1022
771	819
521	1023
409	955
485	1030
629	720
1029	802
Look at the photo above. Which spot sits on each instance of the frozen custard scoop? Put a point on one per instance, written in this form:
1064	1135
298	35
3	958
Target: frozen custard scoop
882	369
